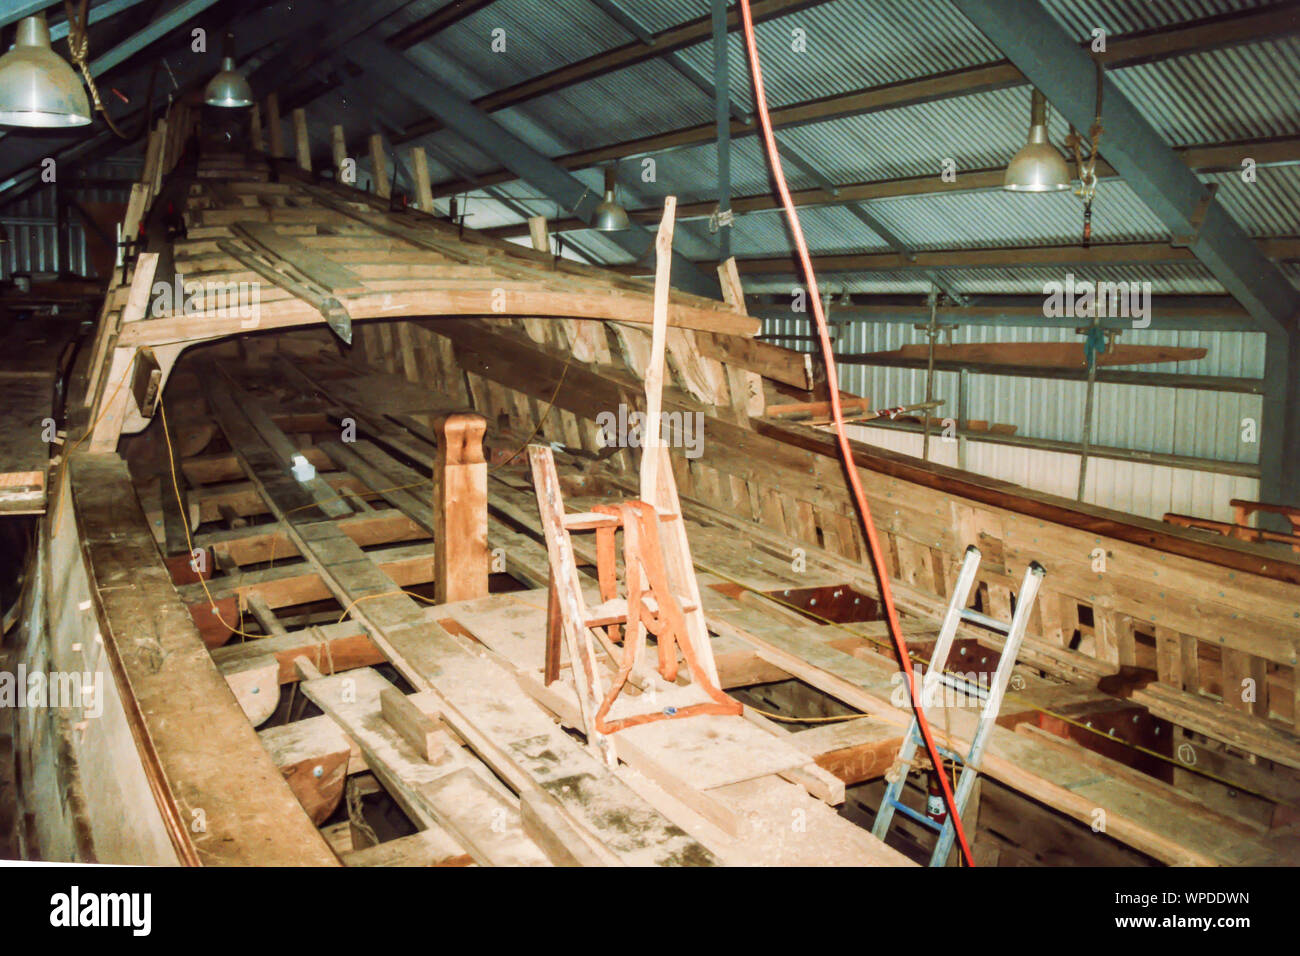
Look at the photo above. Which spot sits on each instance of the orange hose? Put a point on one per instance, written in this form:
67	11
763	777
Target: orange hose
837	413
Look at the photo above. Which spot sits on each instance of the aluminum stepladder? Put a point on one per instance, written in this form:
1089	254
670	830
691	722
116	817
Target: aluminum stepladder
936	677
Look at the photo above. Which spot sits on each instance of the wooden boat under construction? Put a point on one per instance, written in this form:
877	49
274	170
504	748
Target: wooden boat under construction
317	559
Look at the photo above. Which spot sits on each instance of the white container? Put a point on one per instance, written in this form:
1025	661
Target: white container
302	469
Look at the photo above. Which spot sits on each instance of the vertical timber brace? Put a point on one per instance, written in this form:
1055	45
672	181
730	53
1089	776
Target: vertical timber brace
460	567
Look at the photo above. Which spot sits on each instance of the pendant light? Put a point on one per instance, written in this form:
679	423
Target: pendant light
37	86
1038	167
228	89
609	215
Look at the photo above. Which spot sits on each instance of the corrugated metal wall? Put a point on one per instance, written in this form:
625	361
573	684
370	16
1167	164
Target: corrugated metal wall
33	237
1193	423
32	225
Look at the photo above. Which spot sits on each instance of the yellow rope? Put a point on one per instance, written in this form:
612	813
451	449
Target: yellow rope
540	421
185	523
392	593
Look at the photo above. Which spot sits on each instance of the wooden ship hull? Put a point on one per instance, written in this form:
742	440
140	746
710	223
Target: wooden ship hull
218	593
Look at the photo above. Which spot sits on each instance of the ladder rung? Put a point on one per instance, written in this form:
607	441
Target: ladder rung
943	751
590	521
614	611
975	617
960	683
918	817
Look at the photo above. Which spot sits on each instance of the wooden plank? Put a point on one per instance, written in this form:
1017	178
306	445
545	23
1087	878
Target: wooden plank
318	268
431	847
1050	776
333	648
418	729
480	701
854	750
449	792
1226	722
111	407
191	730
769	361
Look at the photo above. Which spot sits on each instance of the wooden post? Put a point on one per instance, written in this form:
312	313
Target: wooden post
112	406
540	233
420	170
460	563
745	387
339	147
274	131
379	166
301	141
255	129
160	159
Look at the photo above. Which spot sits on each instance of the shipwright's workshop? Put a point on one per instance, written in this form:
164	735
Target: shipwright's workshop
749	433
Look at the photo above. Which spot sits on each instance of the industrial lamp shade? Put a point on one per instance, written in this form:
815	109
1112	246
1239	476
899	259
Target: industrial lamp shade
1039	167
37	86
228	88
609	215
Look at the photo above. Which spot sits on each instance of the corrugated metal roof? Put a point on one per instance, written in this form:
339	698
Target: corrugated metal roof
999	218
31	224
1124	16
828	229
538	37
641	100
1269	206
844	45
1240	92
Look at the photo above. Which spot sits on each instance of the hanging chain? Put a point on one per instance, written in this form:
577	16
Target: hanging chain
1087	188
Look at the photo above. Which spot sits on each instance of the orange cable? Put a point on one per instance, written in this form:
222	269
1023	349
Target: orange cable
846	454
